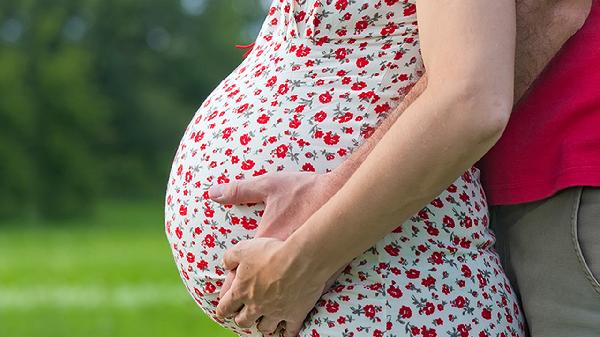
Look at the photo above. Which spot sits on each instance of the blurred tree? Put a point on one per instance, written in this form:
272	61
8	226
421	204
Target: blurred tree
97	93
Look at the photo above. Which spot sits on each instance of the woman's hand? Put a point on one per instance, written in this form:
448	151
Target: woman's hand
290	198
272	281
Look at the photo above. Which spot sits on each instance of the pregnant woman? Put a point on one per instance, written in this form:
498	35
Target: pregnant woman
320	78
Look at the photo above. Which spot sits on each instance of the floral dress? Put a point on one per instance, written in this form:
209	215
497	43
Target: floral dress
321	76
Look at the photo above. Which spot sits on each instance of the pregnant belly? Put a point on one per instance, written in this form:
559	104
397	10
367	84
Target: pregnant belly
263	119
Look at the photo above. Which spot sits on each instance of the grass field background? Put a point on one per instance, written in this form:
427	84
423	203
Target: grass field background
112	275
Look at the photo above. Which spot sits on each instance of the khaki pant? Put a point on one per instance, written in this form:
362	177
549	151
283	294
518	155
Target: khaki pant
551	253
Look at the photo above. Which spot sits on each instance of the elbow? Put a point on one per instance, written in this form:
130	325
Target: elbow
490	118
483	111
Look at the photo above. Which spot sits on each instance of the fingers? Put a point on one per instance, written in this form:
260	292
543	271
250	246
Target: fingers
246	318
229	304
268	325
292	329
227	283
251	190
233	256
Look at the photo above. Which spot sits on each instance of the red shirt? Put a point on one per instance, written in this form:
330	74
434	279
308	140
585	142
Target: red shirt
552	140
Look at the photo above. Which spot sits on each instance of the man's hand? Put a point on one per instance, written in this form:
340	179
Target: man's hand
272	283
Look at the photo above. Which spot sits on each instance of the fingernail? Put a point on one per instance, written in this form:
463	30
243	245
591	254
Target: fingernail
216	192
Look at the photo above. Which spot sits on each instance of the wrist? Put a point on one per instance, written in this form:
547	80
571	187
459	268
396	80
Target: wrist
304	254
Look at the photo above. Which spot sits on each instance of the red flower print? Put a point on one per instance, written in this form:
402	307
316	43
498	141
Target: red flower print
263	119
428	309
243	108
341	5
482	280
340	54
394	292
370	311
428	282
361	25
320	116
283	89
249	223
463	330
448	221
362	62
271	82
408	11
294	123
332	307
359	86
190	258
202	264
325	98
437	203
245	139
308	167
209	241
466	271
459	302
413	273
405	312
385	107
226	133
393	251
436	258
209	287
247	164
282	151
428	332
486	313
331	138
302	51
183	210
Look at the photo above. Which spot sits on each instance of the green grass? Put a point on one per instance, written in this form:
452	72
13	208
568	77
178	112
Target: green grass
112	275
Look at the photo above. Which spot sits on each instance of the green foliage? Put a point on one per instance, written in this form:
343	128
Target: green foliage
111	275
96	94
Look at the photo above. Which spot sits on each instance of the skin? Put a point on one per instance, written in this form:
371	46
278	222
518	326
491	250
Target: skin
543	26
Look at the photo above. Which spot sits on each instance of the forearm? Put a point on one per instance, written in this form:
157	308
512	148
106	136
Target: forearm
343	172
428	147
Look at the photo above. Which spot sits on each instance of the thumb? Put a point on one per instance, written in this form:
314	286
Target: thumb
252	190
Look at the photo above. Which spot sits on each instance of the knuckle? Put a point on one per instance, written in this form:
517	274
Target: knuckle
232	191
239	294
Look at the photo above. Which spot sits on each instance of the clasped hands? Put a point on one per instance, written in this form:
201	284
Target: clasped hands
268	277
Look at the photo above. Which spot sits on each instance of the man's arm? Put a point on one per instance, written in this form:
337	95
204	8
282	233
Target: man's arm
542	28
